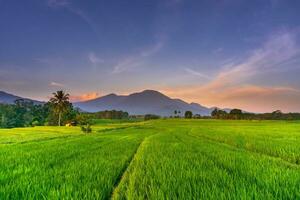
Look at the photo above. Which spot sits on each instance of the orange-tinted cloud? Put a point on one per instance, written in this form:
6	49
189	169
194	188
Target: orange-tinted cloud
250	98
232	87
84	97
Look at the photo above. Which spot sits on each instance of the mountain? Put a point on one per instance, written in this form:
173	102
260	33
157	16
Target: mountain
7	98
146	102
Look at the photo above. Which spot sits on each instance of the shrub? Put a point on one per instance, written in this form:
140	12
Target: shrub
197	116
35	123
86	128
150	116
188	114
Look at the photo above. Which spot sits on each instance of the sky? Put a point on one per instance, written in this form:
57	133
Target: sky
226	53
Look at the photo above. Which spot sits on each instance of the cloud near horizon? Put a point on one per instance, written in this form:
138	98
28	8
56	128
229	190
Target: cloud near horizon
250	98
84	97
232	86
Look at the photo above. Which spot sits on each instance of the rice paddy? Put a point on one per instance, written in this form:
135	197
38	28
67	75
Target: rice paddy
159	159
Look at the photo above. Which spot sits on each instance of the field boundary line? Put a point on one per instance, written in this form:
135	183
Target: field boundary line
127	166
45	139
244	149
117	128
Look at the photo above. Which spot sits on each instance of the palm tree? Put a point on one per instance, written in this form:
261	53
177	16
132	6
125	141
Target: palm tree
60	101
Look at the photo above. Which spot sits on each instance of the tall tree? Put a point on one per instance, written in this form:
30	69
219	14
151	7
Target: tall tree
188	114
175	112
219	114
60	102
236	112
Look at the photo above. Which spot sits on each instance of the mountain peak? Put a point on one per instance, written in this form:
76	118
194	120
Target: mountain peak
144	102
150	91
147	95
111	95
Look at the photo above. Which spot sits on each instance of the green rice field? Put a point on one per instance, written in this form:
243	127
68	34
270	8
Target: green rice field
159	159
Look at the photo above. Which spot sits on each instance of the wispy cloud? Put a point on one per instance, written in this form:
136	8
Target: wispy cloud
126	64
278	50
58	3
43	60
233	85
196	73
152	50
136	60
218	50
248	97
56	84
67	4
94	59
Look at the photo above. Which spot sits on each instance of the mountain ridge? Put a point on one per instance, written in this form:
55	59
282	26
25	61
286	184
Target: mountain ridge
140	103
8	98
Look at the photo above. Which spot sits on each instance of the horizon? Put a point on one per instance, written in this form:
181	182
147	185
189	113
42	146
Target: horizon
139	92
226	54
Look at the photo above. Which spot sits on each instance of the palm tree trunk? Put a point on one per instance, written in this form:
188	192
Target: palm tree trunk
59	118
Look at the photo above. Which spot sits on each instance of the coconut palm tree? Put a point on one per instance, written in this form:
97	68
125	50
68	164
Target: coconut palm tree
60	101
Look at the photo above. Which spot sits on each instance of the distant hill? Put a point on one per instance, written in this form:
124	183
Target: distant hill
7	98
146	102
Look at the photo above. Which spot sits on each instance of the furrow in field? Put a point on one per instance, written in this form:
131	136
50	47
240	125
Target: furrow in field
126	170
126	166
174	165
245	149
117	128
25	139
84	167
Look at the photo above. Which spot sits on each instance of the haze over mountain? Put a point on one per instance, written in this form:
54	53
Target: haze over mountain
140	103
145	102
7	98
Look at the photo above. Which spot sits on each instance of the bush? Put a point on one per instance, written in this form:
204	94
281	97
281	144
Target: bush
150	116
86	128
197	116
111	114
188	114
35	123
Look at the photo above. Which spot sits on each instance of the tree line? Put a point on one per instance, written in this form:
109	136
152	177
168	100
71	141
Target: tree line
111	114
57	111
237	114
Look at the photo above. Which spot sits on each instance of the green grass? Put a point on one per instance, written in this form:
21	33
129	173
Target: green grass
161	159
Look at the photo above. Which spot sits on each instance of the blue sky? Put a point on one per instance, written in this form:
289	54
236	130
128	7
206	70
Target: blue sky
226	53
